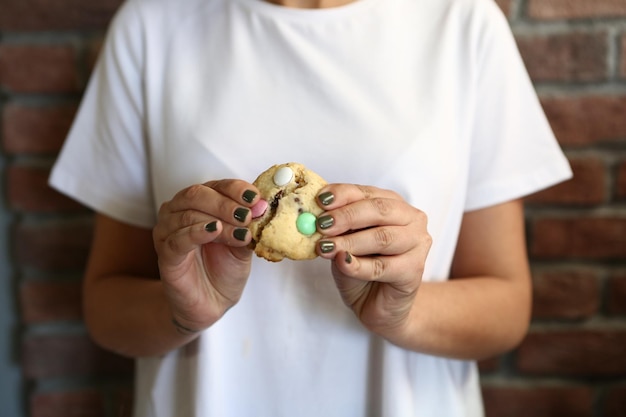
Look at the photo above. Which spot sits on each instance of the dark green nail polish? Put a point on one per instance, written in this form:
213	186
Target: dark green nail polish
240	234
327	247
248	196
348	258
241	213
211	227
325	222
326	198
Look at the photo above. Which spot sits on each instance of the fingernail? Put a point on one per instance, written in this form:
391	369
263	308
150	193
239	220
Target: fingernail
325	222
240	234
241	213
327	247
326	198
348	258
211	227
248	196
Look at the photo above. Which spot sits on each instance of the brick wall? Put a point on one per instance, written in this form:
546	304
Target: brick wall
46	52
573	362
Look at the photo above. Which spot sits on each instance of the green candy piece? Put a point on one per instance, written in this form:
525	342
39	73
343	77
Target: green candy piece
306	224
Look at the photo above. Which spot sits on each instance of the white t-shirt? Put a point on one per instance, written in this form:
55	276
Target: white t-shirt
426	97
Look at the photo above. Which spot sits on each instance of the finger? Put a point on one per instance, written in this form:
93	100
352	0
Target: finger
178	222
237	190
398	270
182	223
174	247
384	240
169	222
337	195
368	213
202	198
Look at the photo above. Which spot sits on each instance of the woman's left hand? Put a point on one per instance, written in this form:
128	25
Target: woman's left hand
378	244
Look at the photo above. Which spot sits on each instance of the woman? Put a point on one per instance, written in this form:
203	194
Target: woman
423	270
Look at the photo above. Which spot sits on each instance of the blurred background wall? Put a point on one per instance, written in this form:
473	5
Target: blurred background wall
573	362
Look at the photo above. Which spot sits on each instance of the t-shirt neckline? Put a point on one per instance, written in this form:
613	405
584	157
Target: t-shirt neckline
277	11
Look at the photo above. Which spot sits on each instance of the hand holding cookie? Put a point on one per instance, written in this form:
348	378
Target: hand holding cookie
378	244
201	240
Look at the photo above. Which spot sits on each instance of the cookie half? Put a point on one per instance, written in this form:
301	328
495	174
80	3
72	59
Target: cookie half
285	226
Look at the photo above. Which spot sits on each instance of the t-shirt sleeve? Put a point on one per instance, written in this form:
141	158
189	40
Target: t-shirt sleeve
513	151
104	161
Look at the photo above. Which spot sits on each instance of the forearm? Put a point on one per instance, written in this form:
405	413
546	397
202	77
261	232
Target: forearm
131	316
486	313
469	318
131	300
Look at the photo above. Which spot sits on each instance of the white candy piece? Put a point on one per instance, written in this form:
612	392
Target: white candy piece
283	176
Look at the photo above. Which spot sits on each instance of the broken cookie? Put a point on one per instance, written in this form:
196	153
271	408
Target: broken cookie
283	224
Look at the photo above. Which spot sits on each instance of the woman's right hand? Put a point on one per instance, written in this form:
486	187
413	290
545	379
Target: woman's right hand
201	240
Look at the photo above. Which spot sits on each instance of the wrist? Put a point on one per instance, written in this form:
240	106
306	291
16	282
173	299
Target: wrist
402	330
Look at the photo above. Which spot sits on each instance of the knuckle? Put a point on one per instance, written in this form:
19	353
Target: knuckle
365	191
422	217
427	240
192	192
379	267
382	206
185	219
173	245
383	237
350	214
346	243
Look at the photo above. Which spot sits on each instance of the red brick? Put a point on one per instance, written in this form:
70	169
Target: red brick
616	294
44	301
50	356
597	238
39	69
489	365
123	402
565	294
53	245
620	185
615	402
28	191
37	15
573	56
79	403
623	54
587	120
575	9
588	187
581	353
538	401
36	129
